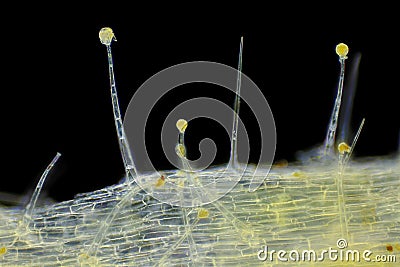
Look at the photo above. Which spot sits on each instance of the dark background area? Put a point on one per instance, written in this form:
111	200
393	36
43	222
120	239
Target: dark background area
55	87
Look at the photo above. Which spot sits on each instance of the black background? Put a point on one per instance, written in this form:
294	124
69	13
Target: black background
55	87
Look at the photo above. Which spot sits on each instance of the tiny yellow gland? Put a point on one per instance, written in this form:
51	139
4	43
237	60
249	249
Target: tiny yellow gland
181	124
106	36
180	150
83	257
3	250
203	213
342	50
343	147
181	184
180	173
160	181
397	246
298	174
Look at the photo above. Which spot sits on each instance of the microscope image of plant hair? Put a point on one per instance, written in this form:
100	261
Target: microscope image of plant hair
309	204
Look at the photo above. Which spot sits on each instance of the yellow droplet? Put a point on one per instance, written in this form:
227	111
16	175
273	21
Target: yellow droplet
181	183
160	181
83	256
203	213
342	50
397	246
86	259
180	173
106	36
343	147
181	124
3	250
180	150
298	174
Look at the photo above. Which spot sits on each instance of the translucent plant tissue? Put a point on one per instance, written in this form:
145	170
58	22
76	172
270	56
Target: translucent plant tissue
326	208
